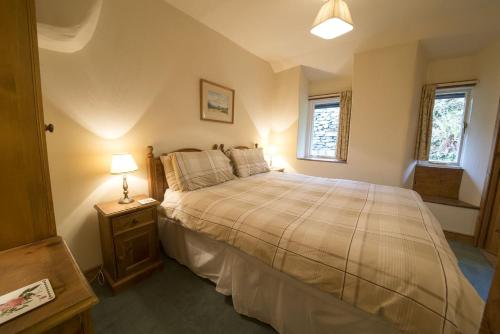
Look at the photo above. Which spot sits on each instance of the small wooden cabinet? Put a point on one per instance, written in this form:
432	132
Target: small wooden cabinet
129	240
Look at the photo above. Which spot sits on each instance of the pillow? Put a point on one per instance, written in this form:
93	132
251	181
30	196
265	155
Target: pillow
249	162
195	170
169	172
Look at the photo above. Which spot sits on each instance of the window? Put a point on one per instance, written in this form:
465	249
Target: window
323	128
449	117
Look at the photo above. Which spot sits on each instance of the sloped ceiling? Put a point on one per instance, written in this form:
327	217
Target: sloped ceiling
66	26
278	30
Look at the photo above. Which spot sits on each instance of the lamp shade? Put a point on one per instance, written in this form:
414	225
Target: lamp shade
122	163
334	19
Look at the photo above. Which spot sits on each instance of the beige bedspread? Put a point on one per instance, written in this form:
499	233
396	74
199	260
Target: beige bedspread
376	247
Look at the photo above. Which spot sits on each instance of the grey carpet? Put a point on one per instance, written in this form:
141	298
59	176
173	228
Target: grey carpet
177	301
474	266
173	300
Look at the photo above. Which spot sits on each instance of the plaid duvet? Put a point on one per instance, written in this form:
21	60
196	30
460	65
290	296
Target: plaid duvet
376	247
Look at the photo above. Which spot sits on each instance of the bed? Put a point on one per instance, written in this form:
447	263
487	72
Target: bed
316	255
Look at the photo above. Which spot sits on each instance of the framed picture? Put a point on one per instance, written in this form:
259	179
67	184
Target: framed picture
217	102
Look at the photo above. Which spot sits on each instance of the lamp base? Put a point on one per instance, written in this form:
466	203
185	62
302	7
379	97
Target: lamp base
125	200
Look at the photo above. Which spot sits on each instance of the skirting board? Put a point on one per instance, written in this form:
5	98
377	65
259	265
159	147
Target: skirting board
466	239
91	274
492	259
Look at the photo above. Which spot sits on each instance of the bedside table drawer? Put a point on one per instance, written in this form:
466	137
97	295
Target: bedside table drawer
132	220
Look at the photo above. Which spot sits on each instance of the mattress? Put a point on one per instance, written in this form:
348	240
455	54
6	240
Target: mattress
374	247
261	292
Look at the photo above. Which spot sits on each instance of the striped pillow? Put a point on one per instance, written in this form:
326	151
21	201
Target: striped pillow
169	172
195	170
248	162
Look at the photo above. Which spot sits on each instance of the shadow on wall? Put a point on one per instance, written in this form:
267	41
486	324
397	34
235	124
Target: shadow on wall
79	162
136	83
108	85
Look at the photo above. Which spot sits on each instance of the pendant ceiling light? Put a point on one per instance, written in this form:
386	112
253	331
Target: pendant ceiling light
333	20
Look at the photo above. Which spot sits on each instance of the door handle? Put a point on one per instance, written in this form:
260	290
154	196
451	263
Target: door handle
49	127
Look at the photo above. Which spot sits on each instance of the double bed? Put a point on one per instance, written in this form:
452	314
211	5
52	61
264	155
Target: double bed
315	255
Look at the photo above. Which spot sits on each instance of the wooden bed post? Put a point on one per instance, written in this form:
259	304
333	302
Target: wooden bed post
151	171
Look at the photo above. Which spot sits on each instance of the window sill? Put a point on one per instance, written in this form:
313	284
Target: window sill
438	165
449	202
323	160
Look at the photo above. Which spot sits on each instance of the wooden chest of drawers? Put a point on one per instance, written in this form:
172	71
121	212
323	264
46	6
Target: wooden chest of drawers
129	241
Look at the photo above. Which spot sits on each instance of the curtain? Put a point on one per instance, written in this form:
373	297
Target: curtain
344	122
425	122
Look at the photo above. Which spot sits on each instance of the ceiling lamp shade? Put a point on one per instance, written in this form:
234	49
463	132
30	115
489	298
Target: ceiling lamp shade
122	163
333	20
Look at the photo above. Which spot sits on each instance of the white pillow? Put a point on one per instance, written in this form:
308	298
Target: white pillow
248	161
169	172
194	170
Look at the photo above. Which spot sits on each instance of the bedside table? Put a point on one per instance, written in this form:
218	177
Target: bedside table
277	169
129	241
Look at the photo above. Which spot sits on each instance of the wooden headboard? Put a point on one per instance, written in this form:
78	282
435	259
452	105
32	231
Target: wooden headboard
157	182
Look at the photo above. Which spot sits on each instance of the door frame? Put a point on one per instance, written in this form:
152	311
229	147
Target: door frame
489	190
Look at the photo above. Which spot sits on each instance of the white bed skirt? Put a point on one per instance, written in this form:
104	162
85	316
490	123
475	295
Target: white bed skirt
260	292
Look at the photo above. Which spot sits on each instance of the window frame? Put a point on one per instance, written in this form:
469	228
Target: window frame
309	130
467	90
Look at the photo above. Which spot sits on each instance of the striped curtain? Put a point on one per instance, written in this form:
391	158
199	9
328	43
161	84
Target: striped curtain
425	122
344	122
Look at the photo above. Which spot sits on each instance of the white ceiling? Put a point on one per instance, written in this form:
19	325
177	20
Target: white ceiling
278	30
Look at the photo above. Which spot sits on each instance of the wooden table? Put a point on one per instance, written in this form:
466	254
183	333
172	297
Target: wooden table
69	312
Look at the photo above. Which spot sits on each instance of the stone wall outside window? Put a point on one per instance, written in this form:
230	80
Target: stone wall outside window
325	129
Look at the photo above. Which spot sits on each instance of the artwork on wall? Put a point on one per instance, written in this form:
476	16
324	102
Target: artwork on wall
217	102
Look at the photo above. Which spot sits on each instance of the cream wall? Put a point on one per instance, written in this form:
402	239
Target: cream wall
486	94
290	96
333	85
455	219
452	69
386	85
484	66
136	83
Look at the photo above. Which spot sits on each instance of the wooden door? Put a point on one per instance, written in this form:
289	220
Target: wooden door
492	236
488	236
25	198
136	249
491	320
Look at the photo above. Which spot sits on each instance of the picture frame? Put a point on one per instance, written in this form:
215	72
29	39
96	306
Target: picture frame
216	102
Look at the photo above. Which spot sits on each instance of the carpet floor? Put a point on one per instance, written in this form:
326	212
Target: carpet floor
175	300
474	266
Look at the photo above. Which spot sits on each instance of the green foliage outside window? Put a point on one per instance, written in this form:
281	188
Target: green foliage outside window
447	128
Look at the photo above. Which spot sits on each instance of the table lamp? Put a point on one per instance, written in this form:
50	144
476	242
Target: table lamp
123	163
